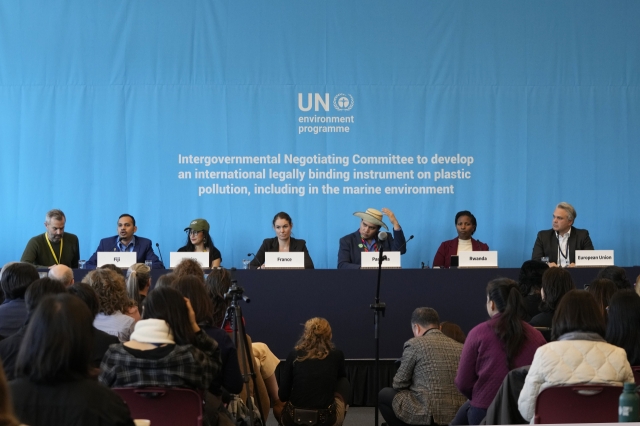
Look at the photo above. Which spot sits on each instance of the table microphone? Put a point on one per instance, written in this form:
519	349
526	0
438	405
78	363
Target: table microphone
251	254
382	236
405	243
159	252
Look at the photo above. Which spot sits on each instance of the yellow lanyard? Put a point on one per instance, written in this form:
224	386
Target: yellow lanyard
51	248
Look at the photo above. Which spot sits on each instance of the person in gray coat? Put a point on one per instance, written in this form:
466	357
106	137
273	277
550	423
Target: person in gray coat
423	388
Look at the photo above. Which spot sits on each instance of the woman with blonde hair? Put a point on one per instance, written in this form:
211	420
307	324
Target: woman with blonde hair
118	313
310	376
138	282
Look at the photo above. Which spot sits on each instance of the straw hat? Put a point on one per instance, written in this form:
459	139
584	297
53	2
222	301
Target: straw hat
372	216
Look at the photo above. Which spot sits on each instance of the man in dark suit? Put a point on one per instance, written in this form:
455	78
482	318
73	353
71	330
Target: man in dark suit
126	241
560	243
366	238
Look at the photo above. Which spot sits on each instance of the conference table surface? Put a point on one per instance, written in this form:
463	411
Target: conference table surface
282	300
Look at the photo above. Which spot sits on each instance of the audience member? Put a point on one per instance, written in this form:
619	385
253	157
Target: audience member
54	384
617	275
453	331
138	282
10	346
114	268
310	377
423	391
623	327
118	313
579	354
556	282
16	278
217	284
189	267
167	348
101	340
165	280
602	289
492	348
62	273
7	418
530	281
6	265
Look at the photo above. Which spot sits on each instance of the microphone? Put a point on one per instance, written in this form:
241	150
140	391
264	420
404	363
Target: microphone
159	252
251	254
405	243
382	235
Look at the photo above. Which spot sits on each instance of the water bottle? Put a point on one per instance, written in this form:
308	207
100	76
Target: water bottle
629	404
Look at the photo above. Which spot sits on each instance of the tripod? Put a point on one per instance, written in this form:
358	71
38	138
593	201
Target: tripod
233	315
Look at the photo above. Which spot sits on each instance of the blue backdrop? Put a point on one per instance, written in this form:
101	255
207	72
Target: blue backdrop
99	101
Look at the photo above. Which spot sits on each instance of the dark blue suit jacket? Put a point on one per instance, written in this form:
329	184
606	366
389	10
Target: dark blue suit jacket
143	249
349	254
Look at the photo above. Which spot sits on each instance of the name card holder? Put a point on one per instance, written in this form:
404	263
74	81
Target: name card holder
594	258
369	260
284	260
478	259
122	259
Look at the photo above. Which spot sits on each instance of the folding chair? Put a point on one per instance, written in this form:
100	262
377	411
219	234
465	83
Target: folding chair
164	406
578	404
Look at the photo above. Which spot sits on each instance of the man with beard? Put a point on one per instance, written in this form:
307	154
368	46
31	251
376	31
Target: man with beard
54	247
126	241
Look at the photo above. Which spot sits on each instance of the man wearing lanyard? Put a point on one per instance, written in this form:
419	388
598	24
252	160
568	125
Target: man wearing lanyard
54	247
560	243
366	238
126	241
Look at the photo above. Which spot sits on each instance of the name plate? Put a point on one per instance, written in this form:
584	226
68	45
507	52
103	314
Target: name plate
369	260
478	259
594	258
284	260
122	259
202	257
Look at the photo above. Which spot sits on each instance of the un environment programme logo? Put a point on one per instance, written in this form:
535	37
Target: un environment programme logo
315	117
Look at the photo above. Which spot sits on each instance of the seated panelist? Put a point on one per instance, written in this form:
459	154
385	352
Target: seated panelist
366	238
54	247
283	242
466	226
198	239
126	241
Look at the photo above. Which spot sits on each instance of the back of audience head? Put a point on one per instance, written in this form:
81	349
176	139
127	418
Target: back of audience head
16	278
168	304
503	296
315	341
88	295
39	289
617	275
62	273
425	317
623	326
193	289
112	267
58	341
165	280
453	331
110	289
218	283
602	289
138	280
556	282
7	418
189	267
577	311
530	279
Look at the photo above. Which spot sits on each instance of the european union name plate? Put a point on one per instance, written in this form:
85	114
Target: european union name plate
594	257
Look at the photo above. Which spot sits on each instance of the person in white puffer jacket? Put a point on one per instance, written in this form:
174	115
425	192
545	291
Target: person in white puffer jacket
579	356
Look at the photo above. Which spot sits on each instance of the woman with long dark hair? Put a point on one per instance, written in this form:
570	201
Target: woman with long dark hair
556	282
310	376
55	384
623	327
602	289
493	348
578	354
283	242
199	240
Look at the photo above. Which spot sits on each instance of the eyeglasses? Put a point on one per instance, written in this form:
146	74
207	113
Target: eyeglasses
192	232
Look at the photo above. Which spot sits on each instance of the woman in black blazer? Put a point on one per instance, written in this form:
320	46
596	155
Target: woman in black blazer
283	242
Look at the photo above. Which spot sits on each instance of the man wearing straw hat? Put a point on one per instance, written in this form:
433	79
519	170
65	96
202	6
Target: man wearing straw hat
366	238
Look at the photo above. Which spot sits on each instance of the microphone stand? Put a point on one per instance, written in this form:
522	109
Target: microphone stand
378	308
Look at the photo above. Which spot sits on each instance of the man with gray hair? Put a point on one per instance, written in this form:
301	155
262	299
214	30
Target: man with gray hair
559	244
423	388
54	247
61	273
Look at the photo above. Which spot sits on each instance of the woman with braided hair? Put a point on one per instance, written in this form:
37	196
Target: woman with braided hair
311	377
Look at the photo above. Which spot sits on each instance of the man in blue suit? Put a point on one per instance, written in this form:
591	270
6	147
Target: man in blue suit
126	241
366	238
